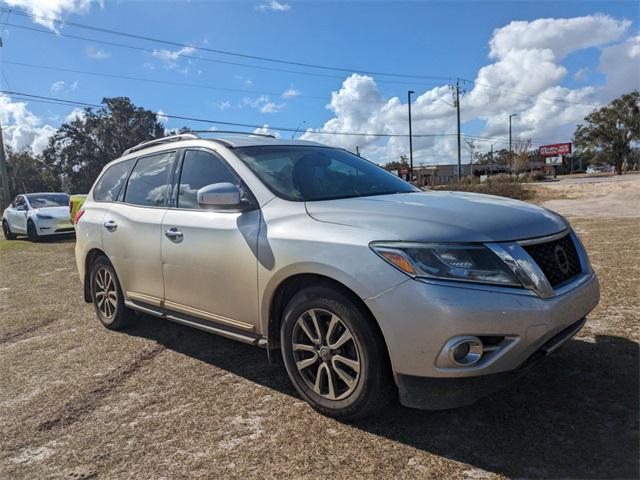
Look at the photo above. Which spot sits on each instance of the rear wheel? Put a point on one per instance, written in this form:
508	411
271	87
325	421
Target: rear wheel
32	232
6	229
107	297
334	355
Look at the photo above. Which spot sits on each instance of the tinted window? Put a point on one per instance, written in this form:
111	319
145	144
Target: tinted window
319	173
200	169
44	200
109	185
149	181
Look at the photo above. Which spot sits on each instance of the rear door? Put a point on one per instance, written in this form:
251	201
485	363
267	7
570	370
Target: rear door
132	228
210	268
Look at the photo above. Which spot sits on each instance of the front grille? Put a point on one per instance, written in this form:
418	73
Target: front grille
557	259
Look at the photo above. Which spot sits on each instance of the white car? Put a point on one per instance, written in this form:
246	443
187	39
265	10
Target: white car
36	215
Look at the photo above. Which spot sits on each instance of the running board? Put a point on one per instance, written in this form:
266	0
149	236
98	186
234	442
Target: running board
204	325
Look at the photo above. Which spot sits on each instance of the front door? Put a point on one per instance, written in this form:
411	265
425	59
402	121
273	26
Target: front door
132	229
210	264
18	216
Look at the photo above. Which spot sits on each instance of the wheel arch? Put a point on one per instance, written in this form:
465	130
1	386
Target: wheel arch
88	261
295	283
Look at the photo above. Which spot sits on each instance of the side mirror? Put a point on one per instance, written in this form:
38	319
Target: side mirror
21	208
219	195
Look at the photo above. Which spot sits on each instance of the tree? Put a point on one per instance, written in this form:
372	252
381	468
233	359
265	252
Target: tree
82	147
611	129
396	165
28	173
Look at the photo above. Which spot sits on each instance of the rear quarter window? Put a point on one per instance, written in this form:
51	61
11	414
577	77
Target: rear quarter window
110	184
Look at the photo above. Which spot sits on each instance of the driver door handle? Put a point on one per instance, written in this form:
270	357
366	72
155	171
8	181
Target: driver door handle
174	235
110	225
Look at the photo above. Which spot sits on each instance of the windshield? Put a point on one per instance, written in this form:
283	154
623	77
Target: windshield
45	200
307	173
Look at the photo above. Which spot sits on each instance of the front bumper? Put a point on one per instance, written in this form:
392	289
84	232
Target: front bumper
443	393
54	226
418	318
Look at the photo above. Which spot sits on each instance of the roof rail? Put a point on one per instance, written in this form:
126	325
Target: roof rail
232	132
159	141
189	135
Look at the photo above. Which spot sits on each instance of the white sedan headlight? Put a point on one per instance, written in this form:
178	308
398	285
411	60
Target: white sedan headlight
462	262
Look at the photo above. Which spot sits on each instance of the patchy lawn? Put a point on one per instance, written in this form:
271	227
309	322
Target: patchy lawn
163	401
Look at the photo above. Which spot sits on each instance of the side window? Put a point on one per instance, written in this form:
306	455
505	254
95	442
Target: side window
111	182
20	202
200	169
149	181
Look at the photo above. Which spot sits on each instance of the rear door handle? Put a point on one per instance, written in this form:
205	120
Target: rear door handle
174	235
110	225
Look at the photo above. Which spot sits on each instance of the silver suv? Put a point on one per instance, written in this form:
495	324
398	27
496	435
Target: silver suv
369	287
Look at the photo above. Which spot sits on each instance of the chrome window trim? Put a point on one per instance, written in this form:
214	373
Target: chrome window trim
546	239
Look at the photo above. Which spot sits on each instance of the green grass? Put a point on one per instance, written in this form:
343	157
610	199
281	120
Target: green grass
14	244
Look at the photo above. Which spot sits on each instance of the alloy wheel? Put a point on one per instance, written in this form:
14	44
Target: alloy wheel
106	295
326	354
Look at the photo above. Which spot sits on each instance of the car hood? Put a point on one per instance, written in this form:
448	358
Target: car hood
55	212
439	216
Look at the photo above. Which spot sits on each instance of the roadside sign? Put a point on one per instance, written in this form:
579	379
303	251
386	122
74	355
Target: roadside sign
555	149
554	160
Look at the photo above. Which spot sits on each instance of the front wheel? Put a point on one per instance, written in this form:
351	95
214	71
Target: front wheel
6	229
107	297
334	354
32	232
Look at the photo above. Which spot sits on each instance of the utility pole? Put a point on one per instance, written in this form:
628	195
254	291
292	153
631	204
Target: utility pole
5	176
511	115
410	138
491	160
357	150
458	112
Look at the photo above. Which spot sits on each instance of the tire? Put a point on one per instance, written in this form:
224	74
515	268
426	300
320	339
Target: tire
371	385
32	232
8	234
107	297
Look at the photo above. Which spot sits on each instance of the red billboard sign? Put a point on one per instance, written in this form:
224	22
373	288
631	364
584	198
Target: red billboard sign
555	150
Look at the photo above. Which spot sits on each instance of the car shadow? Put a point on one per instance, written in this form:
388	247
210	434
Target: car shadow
576	416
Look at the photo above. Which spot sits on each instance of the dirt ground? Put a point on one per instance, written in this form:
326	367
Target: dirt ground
163	401
611	197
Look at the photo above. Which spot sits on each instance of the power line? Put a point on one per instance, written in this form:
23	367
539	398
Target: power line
45	99
224	52
173	83
210	60
73	103
257	57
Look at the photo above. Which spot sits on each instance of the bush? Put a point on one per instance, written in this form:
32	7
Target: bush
500	185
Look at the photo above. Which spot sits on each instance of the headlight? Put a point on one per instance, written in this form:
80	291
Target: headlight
463	263
43	216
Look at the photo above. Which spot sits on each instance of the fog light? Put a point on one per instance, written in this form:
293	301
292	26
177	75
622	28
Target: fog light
466	351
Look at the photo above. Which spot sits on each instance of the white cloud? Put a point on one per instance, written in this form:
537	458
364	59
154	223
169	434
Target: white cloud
291	93
525	77
61	86
273	6
76	114
621	64
170	58
265	130
21	128
222	106
162	117
96	53
262	103
247	82
559	35
46	9
582	74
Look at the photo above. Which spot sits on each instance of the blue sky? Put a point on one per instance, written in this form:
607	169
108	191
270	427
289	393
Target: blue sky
439	39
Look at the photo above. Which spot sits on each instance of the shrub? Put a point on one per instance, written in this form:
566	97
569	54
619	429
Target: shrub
500	185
